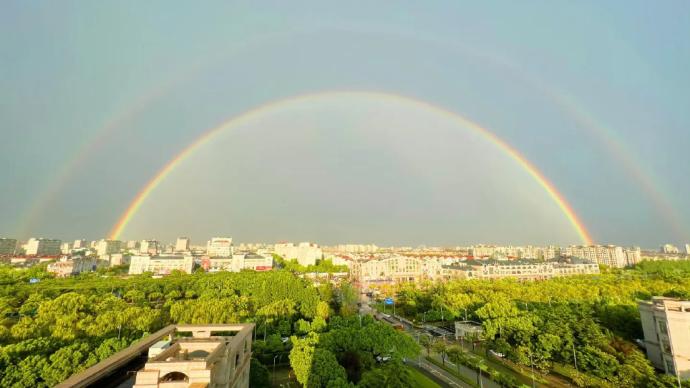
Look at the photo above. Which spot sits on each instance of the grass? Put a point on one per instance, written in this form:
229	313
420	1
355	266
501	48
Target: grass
421	380
452	371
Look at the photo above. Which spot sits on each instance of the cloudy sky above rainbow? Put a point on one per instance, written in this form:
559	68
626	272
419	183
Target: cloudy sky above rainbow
394	123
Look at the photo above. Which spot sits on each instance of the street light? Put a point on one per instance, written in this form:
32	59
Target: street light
531	365
274	366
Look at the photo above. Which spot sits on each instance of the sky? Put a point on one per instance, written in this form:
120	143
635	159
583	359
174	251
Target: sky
97	97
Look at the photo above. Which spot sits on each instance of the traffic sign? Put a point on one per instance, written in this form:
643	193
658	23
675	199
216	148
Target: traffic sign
388	301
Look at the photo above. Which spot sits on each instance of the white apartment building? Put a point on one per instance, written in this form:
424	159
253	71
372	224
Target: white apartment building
107	247
160	265
73	266
306	253
220	247
610	255
149	247
687	249
238	262
66	248
666	327
7	246
182	244
519	270
670	249
43	247
79	244
389	269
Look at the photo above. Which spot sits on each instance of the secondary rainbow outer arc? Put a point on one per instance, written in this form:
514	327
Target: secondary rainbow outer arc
513	153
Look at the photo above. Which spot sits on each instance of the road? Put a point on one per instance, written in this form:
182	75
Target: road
447	378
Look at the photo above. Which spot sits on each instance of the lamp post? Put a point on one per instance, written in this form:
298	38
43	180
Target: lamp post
531	365
274	367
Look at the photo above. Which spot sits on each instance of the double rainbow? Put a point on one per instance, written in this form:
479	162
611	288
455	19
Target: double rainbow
243	118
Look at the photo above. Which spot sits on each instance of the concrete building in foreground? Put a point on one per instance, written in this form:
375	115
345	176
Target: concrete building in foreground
213	356
666	327
160	265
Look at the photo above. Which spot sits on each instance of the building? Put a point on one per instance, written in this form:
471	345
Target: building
116	259
107	247
522	270
66	248
79	244
43	247
468	330
687	249
219	247
238	262
389	269
194	356
73	266
8	246
182	244
306	253
160	265
149	247
670	249
610	255
666	327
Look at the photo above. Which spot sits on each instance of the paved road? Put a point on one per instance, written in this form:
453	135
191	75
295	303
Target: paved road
445	377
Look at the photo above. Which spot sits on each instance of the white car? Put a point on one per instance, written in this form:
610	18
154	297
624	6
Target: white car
496	354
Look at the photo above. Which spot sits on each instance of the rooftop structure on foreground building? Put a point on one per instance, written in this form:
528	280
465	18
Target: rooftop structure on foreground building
214	356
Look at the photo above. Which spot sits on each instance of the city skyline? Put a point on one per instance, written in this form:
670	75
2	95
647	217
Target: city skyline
96	111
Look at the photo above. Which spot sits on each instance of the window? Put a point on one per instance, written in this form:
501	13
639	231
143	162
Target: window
662	326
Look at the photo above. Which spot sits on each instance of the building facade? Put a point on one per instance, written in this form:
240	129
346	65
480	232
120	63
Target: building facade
306	253
220	247
107	247
160	265
73	266
8	246
182	244
666	327
43	247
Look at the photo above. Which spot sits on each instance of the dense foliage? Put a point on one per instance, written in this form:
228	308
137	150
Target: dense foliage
57	327
550	323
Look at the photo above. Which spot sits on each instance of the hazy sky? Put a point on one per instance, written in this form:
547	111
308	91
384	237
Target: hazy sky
95	98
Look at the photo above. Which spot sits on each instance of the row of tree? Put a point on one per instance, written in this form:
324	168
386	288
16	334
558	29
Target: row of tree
585	325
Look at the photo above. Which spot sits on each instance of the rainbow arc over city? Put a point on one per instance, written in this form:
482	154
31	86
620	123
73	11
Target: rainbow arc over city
243	118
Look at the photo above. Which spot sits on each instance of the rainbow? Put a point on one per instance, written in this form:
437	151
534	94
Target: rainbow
243	118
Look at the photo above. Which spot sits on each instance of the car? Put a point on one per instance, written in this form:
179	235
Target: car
496	354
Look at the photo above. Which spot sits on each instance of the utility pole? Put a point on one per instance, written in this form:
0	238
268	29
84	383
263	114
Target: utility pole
575	358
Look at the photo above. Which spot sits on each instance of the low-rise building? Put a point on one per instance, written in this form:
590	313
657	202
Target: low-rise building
160	265
72	266
468	330
522	270
666	327
238	262
306	253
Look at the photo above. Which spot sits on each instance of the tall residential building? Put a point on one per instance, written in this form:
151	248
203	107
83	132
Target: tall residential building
610	255
43	247
8	246
149	247
219	247
670	249
79	244
666	327
182	244
687	249
107	247
66	248
306	253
